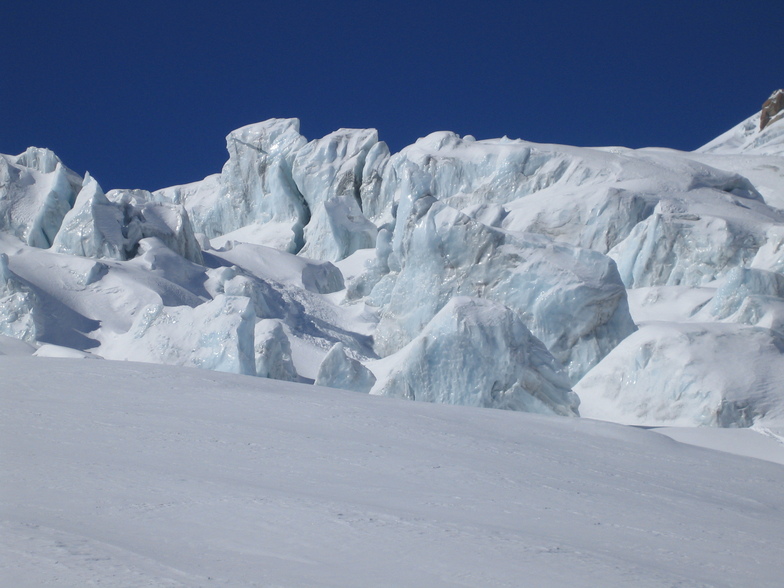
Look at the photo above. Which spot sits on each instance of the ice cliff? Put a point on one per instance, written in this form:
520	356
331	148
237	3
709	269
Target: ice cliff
496	273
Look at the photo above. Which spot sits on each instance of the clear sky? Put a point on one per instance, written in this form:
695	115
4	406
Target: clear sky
142	93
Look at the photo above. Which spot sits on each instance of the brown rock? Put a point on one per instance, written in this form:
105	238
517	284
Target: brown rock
772	109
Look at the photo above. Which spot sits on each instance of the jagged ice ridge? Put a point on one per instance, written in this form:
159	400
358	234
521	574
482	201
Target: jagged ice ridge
496	273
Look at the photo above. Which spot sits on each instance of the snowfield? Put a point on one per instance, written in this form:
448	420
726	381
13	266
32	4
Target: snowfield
126	474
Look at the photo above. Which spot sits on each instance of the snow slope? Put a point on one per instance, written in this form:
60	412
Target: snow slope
125	474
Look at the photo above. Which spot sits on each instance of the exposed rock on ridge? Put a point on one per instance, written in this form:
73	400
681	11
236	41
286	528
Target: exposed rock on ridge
772	109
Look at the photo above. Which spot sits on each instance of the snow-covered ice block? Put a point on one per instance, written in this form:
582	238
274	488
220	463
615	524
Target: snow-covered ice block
570	298
255	185
748	296
669	303
19	308
328	173
332	166
36	192
18	316
153	255
591	217
111	225
761	311
724	375
217	335
770	255
479	353
465	171
740	283
339	370
146	217
373	207
253	288
93	227
321	277
282	236
678	245
337	229
273	352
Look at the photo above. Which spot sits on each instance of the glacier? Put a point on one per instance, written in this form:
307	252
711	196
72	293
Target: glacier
626	284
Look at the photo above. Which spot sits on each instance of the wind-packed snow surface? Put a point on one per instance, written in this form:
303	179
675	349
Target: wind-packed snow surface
496	273
126	474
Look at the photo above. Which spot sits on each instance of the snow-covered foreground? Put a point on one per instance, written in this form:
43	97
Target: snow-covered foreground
126	474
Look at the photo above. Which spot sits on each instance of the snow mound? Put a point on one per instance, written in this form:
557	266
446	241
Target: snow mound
14	346
688	375
49	350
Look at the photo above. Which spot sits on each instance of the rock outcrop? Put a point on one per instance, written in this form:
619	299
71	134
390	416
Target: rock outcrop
772	109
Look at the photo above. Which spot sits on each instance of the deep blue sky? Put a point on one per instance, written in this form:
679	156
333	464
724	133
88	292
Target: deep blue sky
142	93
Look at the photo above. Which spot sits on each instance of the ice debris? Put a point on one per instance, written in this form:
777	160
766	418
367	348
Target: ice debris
18	306
339	370
273	352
